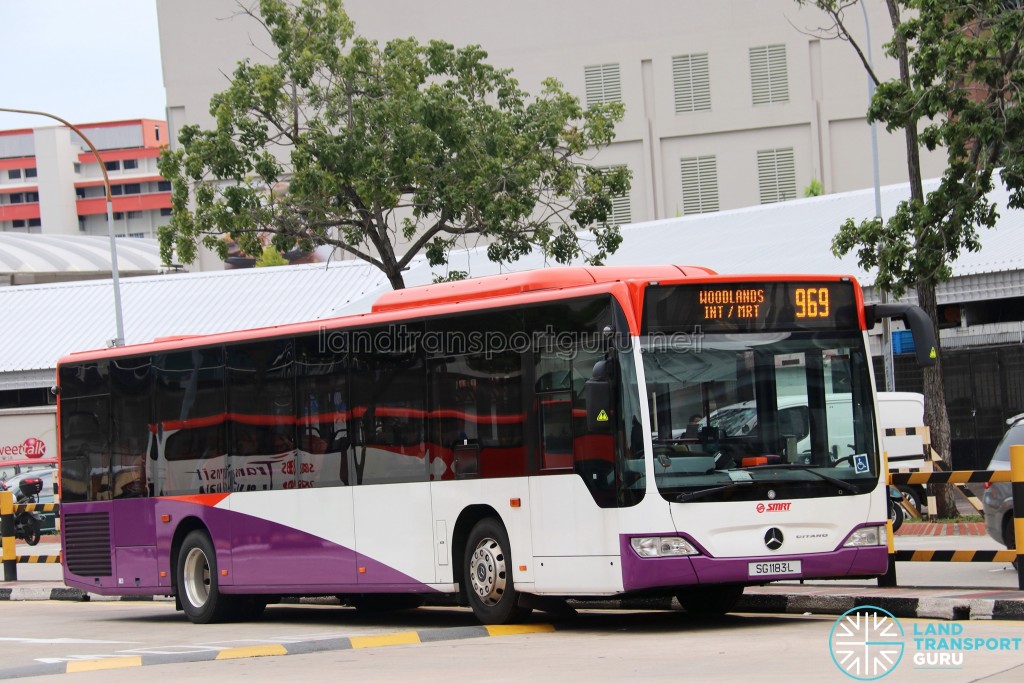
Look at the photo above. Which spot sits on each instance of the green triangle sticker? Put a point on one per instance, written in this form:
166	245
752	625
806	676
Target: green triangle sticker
602	416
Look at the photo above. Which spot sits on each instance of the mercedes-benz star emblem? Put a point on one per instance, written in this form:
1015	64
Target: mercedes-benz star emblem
771	494
773	538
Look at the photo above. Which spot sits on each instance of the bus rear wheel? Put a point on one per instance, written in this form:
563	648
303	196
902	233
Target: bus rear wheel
710	601
197	584
487	573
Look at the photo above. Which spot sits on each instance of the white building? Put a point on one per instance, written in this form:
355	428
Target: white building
729	103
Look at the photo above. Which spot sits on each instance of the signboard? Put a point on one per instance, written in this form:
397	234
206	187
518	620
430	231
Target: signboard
751	306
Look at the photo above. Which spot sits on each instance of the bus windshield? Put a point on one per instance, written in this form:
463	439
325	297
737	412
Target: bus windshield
778	408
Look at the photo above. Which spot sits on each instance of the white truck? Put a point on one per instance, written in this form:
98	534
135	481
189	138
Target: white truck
898	413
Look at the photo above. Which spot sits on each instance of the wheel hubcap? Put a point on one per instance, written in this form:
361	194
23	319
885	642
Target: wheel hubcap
196	577
487	571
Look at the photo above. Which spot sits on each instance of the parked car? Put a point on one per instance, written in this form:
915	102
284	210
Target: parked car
45	496
997	501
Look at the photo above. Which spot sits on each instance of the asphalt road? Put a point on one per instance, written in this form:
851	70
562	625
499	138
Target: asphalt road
108	642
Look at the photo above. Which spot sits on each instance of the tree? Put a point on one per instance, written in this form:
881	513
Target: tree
389	152
960	73
270	257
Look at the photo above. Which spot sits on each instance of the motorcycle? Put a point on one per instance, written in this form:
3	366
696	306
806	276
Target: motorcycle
896	511
28	525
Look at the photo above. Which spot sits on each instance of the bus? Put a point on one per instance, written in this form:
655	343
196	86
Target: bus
508	442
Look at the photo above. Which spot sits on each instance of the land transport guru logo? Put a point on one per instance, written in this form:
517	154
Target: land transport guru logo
868	642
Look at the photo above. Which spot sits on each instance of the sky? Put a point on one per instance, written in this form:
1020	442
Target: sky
81	60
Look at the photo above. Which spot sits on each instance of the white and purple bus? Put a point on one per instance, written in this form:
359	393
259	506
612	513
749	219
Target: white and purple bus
507	441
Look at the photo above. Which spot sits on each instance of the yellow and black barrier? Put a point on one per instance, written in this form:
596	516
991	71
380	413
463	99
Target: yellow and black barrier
953	477
932	462
1015	475
956	555
10	556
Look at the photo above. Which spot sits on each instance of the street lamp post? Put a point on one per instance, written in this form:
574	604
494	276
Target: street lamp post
119	339
887	363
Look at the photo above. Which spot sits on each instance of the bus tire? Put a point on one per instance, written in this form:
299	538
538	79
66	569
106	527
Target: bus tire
487	572
913	496
710	601
197	581
33	530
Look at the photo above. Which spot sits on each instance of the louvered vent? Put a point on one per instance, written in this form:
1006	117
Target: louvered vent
603	83
700	184
776	175
622	208
692	83
87	544
769	78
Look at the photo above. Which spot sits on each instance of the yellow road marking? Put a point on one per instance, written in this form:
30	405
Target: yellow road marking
252	651
101	664
385	640
518	629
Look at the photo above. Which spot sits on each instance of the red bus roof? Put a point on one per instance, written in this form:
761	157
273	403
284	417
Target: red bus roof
624	282
529	281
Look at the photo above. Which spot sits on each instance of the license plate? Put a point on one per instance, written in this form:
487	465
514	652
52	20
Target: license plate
780	568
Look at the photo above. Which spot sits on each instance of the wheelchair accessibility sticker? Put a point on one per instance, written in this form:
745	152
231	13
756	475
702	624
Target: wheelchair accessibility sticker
861	465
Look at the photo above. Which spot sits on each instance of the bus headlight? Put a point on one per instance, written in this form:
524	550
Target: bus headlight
662	546
866	536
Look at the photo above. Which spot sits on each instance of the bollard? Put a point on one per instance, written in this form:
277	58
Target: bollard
10	554
1017	489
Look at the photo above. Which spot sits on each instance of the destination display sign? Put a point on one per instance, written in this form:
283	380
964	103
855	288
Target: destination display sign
751	306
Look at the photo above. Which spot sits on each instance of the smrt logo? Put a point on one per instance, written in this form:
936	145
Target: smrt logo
32	448
773	507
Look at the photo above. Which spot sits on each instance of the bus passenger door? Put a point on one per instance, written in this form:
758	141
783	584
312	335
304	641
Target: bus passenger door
391	496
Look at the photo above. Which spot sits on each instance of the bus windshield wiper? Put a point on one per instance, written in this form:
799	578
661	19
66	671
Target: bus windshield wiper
844	485
704	493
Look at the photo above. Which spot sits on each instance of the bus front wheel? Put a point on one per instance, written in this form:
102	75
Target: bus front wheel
710	601
487	571
198	590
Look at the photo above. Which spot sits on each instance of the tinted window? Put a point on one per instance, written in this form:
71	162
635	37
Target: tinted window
569	339
85	432
130	386
478	419
324	424
189	417
388	403
261	426
1013	437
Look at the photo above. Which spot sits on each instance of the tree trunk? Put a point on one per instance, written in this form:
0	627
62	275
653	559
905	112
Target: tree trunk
395	278
935	413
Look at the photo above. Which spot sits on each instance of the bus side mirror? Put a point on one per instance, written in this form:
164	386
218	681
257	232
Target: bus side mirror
598	397
925	345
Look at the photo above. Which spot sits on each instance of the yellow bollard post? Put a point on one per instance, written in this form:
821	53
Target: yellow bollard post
1017	489
10	554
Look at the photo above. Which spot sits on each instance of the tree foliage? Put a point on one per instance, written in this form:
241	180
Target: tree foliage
958	89
270	257
386	152
962	89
